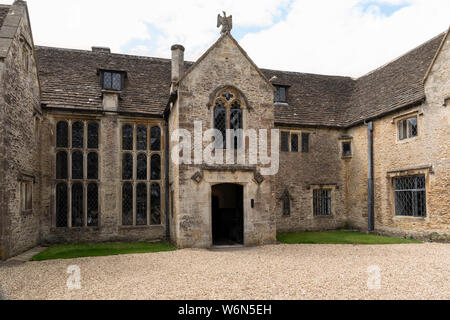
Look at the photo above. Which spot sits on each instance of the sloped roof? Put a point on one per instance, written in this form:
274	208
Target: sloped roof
69	79
4	9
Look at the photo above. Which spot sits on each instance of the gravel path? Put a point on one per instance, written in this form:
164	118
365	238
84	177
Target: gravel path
410	271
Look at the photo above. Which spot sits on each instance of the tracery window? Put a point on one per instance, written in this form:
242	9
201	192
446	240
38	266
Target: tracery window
141	174
77	174
228	114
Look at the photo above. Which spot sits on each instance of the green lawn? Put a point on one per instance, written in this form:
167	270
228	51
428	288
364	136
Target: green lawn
339	237
69	251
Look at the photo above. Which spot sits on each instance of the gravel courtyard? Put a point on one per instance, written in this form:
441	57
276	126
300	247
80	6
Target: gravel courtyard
408	271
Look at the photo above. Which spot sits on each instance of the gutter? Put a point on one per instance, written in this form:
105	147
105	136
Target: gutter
370	186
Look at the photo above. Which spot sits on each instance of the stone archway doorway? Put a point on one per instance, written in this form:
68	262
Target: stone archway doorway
227	209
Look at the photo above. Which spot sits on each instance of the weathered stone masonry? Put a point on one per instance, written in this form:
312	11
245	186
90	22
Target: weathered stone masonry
317	187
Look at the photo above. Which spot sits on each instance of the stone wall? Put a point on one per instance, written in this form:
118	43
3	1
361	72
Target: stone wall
300	173
225	64
20	116
110	184
428	154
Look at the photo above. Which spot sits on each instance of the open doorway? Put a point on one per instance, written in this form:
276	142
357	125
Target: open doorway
227	214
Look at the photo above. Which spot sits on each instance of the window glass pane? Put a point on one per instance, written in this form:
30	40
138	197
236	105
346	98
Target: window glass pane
127	204
155	139
142	167
412	127
62	135
127	166
285	141
127	137
92	205
156	167
77	205
410	196
93	135
155	202
61	205
107	80
220	124
294	143
305	142
92	166
116	81
77	165
141	138
28	196
346	149
61	165
236	124
77	135
280	94
141	204
286	205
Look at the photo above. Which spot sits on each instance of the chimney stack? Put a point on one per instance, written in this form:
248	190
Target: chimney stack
101	49
177	62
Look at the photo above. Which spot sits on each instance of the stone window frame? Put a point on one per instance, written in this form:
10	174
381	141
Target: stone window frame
276	95
85	182
26	182
299	133
237	97
426	171
122	74
405	116
135	123
343	140
332	188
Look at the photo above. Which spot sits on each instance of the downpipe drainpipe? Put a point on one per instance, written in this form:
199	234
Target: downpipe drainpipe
166	182
370	165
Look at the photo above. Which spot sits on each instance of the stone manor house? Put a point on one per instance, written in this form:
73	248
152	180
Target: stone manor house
85	145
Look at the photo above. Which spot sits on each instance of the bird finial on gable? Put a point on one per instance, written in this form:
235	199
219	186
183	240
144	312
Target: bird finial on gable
225	22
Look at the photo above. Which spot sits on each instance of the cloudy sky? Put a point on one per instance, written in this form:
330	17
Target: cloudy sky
341	37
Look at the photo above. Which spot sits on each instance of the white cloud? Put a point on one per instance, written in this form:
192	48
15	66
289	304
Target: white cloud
320	36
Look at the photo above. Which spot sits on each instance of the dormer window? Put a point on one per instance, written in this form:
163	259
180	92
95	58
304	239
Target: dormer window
280	94
112	80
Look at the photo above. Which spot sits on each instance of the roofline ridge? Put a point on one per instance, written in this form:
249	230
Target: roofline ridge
97	53
308	73
401	56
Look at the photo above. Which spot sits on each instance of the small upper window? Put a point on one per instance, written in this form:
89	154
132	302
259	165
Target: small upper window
305	142
407	128
280	94
346	149
26	195
112	80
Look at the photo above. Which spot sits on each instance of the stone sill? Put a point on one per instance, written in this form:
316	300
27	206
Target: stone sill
408	218
331	216
347	157
74	229
131	228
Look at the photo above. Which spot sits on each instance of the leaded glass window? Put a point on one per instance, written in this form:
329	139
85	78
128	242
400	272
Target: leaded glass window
127	204
156	167
92	135
322	202
73	188
77	135
61	205
305	142
141	138
286	201
407	128
146	163
92	205
284	141
294	142
62	134
61	165
127	166
92	166
77	205
280	94
236	125
155	133
155	202
220	118
142	167
410	196
77	165
141	204
112	80
127	137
